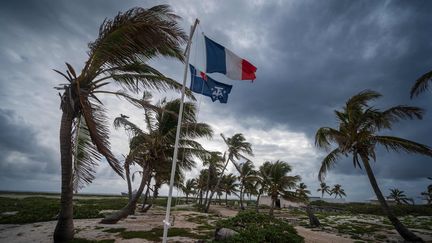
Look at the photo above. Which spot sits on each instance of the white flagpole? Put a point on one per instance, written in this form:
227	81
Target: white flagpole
180	116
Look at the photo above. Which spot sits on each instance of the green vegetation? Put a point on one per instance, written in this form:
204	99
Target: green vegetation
81	240
38	209
366	208
257	227
114	230
156	233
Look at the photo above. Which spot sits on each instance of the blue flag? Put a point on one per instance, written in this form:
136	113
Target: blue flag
203	84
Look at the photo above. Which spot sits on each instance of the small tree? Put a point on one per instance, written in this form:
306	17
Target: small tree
338	191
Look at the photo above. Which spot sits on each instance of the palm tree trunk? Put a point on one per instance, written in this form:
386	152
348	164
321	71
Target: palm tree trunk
124	212
241	198
226	199
401	229
187	196
257	203
272	206
143	208
64	230
207	207
128	179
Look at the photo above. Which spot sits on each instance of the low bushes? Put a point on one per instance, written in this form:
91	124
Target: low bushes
257	227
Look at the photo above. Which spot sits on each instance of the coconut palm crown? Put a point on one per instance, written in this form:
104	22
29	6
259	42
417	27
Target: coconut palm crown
118	56
357	135
324	188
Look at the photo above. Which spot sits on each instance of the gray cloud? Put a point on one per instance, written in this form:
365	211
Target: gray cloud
21	154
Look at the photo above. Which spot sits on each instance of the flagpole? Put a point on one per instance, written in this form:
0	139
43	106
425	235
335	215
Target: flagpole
180	116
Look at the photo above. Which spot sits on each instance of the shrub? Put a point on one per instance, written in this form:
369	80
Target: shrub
257	227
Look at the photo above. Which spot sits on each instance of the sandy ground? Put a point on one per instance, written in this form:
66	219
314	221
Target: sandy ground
92	230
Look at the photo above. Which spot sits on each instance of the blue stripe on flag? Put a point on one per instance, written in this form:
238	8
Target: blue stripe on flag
216	62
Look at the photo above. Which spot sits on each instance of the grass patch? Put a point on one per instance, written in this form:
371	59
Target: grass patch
82	240
39	209
156	234
114	230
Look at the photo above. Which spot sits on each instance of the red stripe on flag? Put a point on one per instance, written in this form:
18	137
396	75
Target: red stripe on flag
248	70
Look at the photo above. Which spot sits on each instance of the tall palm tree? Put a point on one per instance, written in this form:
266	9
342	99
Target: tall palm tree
247	175
156	147
189	188
278	182
421	84
261	185
357	134
117	56
229	186
215	164
338	191
303	194
399	196
324	188
237	146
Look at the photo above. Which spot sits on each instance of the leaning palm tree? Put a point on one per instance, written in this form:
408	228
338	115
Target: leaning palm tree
357	134
278	182
421	84
189	188
237	146
156	147
399	196
117	56
324	188
338	191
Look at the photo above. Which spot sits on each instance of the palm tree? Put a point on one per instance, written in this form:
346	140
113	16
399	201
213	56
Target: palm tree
356	134
324	188
421	84
302	191
237	145
229	186
399	196
427	195
189	188
337	191
214	163
246	177
261	185
156	147
117	56
278	182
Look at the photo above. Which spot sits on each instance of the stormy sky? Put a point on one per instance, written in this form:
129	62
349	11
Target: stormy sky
311	57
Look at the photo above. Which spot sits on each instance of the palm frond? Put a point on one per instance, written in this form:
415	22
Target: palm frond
421	84
327	163
85	156
397	113
325	135
127	125
138	31
96	120
399	144
361	99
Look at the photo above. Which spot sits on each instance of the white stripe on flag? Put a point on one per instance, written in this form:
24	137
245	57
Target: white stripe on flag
233	65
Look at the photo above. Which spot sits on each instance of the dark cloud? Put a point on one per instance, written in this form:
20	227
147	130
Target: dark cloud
21	154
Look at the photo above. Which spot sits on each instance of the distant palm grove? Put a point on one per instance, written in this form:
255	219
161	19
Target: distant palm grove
119	58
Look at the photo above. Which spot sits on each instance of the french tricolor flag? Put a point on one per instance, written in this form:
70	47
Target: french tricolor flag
221	60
